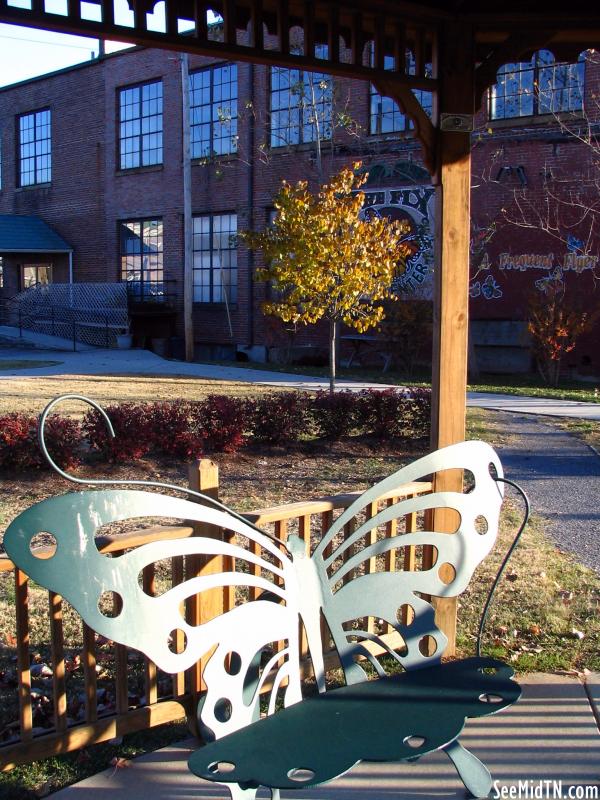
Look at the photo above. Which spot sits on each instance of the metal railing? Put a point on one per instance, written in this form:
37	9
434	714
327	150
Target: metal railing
92	314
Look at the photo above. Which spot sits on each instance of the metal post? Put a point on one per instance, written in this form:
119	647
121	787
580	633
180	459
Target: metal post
74	339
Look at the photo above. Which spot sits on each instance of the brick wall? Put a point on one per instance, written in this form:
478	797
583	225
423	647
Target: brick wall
89	194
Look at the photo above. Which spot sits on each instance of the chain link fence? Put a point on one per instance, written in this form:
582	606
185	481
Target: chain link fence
90	313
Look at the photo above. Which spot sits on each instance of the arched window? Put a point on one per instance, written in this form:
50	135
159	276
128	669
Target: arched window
539	86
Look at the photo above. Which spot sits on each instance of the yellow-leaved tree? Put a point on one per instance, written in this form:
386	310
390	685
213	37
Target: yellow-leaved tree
326	262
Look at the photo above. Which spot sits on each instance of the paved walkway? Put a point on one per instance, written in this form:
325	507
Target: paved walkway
561	476
549	735
143	362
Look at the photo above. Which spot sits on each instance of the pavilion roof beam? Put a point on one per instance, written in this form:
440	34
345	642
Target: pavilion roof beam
424	129
356	29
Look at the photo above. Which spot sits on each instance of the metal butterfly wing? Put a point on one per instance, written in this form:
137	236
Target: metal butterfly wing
351	595
83	576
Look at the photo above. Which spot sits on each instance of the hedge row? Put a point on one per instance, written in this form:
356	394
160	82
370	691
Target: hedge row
186	430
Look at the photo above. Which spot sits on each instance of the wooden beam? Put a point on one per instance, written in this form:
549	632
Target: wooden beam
424	130
451	307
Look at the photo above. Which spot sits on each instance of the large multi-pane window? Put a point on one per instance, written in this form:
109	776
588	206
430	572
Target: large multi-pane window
384	113
35	148
213	111
141	125
539	86
215	258
141	253
301	105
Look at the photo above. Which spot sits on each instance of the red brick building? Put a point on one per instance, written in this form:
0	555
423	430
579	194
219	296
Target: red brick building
95	151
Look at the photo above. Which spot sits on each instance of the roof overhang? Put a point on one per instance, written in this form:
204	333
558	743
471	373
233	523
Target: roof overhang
29	234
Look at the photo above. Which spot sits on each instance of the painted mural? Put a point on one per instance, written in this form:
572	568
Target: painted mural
492	275
413	205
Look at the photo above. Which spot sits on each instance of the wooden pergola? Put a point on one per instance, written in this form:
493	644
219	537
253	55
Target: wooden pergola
458	46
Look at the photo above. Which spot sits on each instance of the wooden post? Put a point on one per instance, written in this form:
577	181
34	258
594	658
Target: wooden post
186	164
204	477
451	311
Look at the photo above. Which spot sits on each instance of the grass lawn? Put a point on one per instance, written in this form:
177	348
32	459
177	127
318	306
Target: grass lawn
586	430
30	395
527	385
545	616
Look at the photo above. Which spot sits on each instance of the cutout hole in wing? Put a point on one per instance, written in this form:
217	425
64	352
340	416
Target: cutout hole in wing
221	767
414	741
232	663
177	642
401	557
492	470
301	774
449	480
155	579
405	614
110	604
223	709
493	699
43	545
134	531
481	525
446	573
428	646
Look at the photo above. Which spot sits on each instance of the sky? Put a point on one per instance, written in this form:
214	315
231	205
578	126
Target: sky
28	52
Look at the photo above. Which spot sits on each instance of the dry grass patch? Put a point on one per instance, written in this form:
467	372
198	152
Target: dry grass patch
30	395
587	430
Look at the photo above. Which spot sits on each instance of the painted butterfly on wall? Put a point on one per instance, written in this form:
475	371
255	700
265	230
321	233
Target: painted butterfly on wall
328	583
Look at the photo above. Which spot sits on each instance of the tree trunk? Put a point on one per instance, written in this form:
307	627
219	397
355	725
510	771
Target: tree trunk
332	354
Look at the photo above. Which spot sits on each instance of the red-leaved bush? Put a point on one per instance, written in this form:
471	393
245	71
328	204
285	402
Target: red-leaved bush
334	415
19	447
132	424
279	418
220	421
395	413
174	432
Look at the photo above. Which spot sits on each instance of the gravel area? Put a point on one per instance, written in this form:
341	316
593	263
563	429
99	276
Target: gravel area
562	478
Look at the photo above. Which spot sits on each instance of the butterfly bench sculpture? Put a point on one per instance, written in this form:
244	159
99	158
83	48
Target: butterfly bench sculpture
312	740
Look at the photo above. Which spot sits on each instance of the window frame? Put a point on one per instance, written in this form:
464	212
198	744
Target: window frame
139	136
396	112
535	67
37	266
35	141
232	268
141	296
211	69
302	109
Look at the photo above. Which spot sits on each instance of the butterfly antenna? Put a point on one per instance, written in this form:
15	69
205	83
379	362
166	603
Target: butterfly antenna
153	484
509	553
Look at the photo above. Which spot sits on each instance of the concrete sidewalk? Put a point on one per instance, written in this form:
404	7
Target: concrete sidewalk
551	734
143	362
